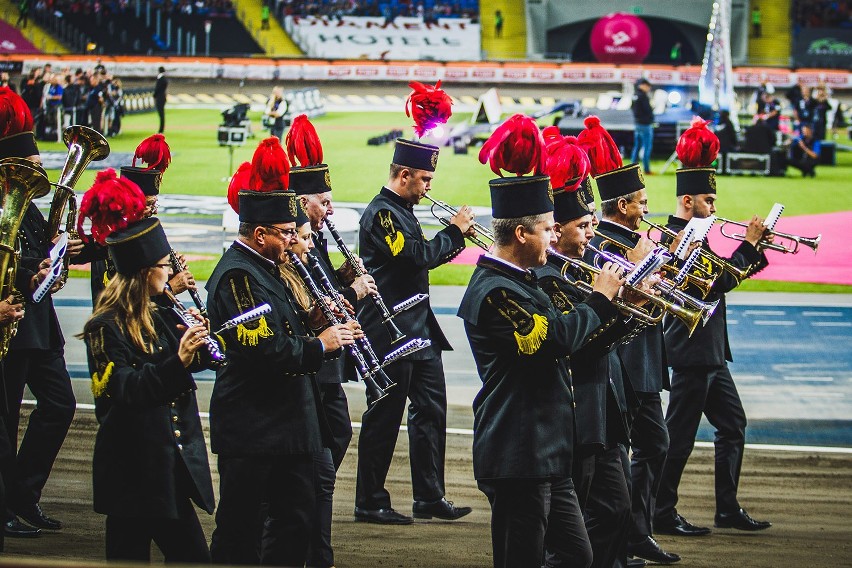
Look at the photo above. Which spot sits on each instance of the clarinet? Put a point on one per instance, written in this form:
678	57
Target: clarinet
376	392
364	344
217	358
393	330
178	267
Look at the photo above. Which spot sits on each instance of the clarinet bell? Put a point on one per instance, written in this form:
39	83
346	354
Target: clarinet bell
375	393
393	331
386	382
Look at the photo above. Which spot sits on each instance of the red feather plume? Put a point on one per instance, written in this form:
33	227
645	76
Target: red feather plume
155	152
111	204
600	147
303	143
565	160
270	169
429	106
15	116
698	146
516	146
239	181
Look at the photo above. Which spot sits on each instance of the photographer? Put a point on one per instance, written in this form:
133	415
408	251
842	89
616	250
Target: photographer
276	110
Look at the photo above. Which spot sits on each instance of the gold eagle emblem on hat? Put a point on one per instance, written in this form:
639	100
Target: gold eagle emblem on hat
434	159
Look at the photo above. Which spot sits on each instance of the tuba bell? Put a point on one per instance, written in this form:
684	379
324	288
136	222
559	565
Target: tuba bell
21	181
85	145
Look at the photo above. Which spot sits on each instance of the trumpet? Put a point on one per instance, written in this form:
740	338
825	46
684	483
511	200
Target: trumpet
794	240
689	317
480	230
702	284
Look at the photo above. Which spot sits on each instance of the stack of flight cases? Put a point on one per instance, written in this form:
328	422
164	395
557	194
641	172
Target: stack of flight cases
744	163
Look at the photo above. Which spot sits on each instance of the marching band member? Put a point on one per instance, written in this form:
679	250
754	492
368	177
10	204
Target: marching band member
150	460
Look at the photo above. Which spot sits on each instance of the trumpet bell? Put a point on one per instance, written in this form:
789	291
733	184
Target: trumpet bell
689	318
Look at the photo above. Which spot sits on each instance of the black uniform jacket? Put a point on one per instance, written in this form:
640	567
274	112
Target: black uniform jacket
643	113
149	450
40	327
340	369
601	402
399	257
523	416
644	358
265	400
101	267
708	345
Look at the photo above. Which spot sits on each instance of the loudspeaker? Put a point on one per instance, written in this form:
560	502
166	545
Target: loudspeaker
743	163
826	153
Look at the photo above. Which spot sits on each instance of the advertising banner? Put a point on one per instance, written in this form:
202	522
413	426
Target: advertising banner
823	47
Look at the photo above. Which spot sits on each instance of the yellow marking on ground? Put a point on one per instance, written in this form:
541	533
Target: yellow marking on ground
241	98
394	99
355	99
259	98
222	98
548	101
508	101
335	99
469	100
205	98
185	98
374	100
527	101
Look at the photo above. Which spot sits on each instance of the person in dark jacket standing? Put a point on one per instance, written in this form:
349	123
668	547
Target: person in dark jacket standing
701	381
150	461
399	257
643	118
524	414
160	97
269	458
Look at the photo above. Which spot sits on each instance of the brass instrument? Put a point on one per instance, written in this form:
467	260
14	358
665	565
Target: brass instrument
702	284
85	145
481	230
795	240
689	317
21	181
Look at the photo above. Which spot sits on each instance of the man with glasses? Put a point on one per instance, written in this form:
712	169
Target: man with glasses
266	423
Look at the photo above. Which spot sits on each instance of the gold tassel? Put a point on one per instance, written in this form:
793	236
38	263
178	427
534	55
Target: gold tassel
396	243
99	384
221	341
529	343
106	278
251	337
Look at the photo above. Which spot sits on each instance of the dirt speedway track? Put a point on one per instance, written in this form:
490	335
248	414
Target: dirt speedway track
808	498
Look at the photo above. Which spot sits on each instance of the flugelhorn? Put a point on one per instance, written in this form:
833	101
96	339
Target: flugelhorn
378	301
795	240
85	145
21	181
480	230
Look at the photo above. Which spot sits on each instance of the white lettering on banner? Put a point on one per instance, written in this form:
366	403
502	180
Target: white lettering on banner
375	38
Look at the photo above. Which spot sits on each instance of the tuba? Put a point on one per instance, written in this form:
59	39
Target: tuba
21	181
85	145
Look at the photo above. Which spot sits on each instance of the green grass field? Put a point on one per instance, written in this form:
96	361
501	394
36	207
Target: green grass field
358	171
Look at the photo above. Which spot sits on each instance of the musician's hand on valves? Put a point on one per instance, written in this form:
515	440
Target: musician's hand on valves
75	247
182	281
357	332
336	336
364	285
463	219
609	280
193	339
38	277
199	318
641	250
347	272
755	231
645	288
10	311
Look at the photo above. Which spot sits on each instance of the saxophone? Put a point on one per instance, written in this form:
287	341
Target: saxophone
85	145
21	181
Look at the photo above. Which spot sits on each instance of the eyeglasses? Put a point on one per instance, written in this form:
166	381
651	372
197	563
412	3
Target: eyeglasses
162	265
290	233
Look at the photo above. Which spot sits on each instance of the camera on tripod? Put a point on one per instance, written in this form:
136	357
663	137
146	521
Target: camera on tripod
235	126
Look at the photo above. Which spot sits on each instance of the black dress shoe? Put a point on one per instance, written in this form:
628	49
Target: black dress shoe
381	516
36	517
679	527
650	550
441	509
17	529
740	521
635	562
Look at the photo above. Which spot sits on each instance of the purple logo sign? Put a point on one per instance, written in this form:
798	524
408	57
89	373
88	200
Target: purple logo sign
620	38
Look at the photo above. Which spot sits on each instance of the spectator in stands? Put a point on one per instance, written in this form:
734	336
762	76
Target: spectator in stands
819	109
643	117
160	96
803	153
264	16
23	14
756	20
498	24
676	54
771	110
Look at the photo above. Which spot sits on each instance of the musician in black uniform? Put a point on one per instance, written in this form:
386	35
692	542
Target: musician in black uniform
624	202
150	461
701	381
399	257
35	359
266	419
524	415
601	470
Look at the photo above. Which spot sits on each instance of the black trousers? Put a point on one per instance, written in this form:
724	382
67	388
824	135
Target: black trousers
601	481
421	382
180	540
336	409
711	391
321	554
45	373
528	515
161	112
649	442
267	506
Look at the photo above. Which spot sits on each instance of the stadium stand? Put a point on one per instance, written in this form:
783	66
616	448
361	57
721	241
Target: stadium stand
773	45
513	41
34	33
275	42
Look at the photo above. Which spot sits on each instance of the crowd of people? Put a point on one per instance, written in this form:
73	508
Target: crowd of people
59	98
821	14
216	8
427	9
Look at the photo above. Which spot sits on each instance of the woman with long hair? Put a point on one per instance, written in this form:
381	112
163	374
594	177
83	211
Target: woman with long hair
304	244
150	460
